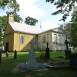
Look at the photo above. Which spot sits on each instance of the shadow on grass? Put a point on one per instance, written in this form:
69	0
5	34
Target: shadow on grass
8	63
49	73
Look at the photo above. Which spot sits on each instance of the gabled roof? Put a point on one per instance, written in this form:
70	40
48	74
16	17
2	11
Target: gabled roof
57	29
22	27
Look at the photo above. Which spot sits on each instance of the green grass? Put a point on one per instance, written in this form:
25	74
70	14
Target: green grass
8	63
55	60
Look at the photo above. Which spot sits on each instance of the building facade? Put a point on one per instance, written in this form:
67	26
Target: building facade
18	36
55	40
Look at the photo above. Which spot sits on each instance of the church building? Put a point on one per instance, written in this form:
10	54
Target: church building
18	36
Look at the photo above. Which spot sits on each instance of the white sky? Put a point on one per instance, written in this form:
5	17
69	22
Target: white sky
40	10
30	8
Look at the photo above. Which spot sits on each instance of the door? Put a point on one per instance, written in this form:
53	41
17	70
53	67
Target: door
7	46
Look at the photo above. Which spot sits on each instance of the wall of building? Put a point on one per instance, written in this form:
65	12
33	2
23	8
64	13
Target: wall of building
55	39
9	38
58	40
8	29
26	46
41	44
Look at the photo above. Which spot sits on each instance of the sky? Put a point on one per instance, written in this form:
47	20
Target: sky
41	10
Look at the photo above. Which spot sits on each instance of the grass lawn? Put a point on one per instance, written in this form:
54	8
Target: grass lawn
8	63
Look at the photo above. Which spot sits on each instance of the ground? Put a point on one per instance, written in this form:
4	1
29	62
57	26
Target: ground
57	58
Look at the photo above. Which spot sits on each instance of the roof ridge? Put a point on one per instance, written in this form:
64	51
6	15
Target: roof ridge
22	27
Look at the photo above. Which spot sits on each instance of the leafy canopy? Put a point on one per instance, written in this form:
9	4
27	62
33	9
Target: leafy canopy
3	22
17	18
13	7
74	28
3	3
30	21
64	7
10	4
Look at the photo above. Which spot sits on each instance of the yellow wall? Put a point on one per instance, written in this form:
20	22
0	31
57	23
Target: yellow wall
27	39
10	41
10	34
8	29
14	40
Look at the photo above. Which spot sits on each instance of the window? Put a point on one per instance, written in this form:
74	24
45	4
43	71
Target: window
22	40
55	38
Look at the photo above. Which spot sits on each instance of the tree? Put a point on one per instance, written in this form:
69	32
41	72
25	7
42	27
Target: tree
74	28
10	3
17	18
64	7
14	8
67	28
74	35
30	21
3	3
3	21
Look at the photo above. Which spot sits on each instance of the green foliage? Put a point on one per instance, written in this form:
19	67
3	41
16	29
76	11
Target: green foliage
30	21
11	4
3	22
17	18
74	35
74	28
63	6
3	3
14	6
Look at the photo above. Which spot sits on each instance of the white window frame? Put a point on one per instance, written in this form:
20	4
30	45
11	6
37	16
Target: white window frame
22	40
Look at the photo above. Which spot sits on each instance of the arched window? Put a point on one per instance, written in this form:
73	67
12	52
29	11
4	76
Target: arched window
22	40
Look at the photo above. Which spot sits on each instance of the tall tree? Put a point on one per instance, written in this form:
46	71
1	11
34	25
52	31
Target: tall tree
3	3
74	28
13	7
30	21
3	21
17	18
10	3
63	6
67	28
